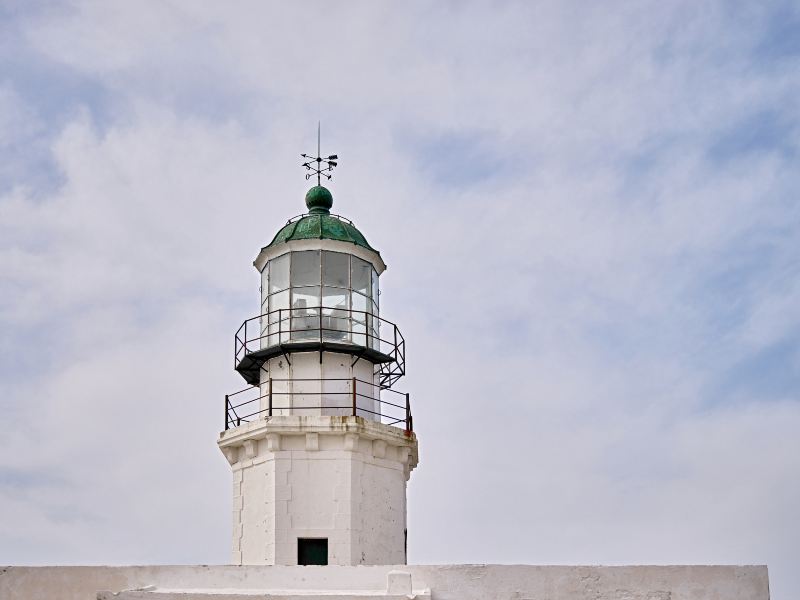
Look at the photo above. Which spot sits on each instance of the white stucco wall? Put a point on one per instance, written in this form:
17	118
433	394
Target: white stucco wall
340	478
296	384
379	497
446	582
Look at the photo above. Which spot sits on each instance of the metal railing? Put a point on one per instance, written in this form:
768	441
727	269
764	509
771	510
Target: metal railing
361	330
339	217
358	398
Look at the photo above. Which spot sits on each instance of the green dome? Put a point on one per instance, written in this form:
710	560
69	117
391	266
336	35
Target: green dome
320	224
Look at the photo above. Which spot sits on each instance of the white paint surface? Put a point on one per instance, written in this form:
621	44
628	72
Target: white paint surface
297	389
446	582
268	254
337	477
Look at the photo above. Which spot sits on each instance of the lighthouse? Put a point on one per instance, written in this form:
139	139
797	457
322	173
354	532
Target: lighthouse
321	441
321	444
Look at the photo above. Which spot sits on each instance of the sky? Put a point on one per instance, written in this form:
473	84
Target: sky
590	219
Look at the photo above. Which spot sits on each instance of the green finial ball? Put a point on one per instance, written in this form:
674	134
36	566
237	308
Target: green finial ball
319	200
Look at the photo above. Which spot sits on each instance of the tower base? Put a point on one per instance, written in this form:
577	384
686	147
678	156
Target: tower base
319	490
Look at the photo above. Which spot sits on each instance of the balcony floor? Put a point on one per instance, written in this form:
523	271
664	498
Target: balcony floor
250	365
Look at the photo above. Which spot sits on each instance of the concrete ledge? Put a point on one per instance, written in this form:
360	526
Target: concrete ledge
322	424
446	582
399	586
259	594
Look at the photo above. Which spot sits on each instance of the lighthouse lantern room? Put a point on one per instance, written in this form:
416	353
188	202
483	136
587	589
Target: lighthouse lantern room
321	443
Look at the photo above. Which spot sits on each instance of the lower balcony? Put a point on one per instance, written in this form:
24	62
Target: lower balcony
325	397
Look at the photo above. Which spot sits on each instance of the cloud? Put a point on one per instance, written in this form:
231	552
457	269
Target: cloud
589	220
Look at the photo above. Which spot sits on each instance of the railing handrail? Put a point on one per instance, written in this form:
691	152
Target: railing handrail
320	307
392	346
340	217
232	416
364	381
321	393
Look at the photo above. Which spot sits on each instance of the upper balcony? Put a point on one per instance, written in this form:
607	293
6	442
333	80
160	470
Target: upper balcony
303	329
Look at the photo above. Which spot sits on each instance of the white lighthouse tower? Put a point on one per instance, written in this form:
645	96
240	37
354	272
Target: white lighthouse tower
322	444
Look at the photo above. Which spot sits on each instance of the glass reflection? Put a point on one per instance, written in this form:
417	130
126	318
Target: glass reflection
335	269
359	319
264	286
336	314
361	275
278	318
376	333
305	313
279	274
375	288
305	268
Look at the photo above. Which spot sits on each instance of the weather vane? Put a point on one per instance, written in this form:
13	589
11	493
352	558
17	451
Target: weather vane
316	165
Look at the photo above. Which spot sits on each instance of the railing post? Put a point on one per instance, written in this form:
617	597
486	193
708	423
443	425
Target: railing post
226	412
270	396
354	397
408	413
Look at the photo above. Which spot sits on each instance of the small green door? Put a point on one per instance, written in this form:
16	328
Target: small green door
312	551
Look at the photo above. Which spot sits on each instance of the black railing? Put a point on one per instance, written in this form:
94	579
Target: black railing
359	332
339	217
344	397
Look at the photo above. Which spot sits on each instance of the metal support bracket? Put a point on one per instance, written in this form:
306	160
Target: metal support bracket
286	355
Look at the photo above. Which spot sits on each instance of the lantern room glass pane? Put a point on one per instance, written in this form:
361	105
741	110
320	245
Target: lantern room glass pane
264	286
305	268
335	298
278	319
279	274
335	314
375	292
359	320
278	301
358	325
305	299
376	333
335	269
370	331
360	304
305	313
362	274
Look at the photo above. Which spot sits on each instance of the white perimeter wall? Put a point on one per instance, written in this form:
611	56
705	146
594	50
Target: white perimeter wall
447	582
